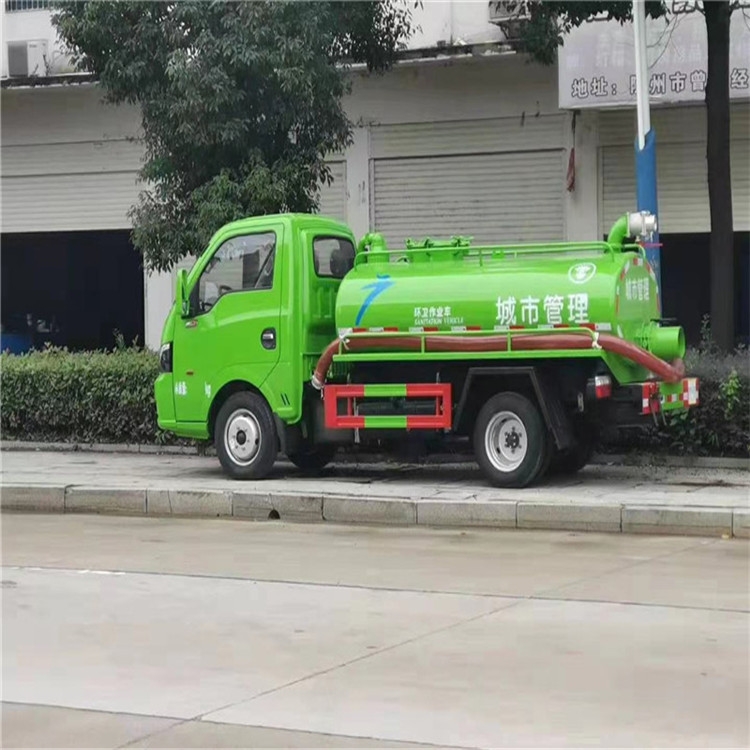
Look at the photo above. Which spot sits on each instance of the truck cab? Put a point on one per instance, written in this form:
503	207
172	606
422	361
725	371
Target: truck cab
251	317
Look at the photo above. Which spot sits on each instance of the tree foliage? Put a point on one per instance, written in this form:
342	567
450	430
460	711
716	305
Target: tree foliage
240	101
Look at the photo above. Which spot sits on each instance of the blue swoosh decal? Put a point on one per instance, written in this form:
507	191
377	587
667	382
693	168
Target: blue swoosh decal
378	287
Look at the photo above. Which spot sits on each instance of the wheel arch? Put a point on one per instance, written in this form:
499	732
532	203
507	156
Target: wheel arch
237	386
485	381
227	390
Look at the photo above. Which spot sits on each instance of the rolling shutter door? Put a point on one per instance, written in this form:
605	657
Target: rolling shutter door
69	162
681	168
493	198
70	186
498	181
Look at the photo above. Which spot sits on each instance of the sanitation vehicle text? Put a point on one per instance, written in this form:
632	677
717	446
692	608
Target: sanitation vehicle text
288	336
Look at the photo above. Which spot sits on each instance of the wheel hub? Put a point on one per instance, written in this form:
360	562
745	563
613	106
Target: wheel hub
512	440
506	441
242	437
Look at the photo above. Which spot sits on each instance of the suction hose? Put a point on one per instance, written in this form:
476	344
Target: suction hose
671	373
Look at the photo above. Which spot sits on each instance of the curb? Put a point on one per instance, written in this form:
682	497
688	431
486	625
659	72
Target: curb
317	508
613	459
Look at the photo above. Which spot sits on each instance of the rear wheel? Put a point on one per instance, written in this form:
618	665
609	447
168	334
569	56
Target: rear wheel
510	440
245	436
313	459
573	459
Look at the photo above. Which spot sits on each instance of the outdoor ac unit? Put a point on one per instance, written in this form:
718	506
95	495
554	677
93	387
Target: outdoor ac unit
502	12
27	58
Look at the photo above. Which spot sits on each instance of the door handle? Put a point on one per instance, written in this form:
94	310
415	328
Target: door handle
268	338
191	324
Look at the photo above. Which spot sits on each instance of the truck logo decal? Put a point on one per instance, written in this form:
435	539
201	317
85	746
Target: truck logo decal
378	287
582	272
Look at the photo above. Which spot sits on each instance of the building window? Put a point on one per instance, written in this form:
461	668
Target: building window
11	6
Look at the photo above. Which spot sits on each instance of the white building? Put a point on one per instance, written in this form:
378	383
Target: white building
464	137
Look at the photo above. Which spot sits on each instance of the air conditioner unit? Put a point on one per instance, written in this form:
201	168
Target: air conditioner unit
27	58
502	12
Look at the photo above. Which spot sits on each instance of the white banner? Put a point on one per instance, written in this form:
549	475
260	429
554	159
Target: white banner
597	61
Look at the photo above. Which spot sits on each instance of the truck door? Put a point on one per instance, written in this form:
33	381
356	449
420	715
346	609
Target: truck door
232	330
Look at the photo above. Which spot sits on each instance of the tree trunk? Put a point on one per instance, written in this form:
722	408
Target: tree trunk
719	176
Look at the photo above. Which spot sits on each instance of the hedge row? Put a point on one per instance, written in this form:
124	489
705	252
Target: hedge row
90	397
98	397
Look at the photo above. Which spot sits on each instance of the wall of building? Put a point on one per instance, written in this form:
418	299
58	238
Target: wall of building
34	25
66	122
452	22
437	22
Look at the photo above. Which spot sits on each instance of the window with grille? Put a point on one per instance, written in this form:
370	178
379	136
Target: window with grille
11	6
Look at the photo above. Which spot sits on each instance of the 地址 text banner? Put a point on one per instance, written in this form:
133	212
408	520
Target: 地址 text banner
597	61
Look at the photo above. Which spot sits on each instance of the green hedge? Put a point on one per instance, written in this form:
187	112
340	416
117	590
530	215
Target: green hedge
90	397
99	397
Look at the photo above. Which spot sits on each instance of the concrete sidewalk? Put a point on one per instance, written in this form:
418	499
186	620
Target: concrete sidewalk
601	498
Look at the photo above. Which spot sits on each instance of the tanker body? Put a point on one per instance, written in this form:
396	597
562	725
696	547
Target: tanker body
522	352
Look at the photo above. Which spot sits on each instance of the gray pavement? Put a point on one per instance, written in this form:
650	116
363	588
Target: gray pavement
712	502
166	632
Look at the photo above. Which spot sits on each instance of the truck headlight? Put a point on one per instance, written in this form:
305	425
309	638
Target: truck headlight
165	357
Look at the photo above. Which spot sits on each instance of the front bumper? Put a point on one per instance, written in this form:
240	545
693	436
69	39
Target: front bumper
164	397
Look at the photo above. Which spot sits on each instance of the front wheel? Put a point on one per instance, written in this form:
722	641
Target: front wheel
510	440
245	436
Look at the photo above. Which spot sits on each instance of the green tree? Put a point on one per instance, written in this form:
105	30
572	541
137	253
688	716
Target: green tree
240	101
545	30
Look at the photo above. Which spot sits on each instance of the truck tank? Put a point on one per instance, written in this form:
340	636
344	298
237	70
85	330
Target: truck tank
451	287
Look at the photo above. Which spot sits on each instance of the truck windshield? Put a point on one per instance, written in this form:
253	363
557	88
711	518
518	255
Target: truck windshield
242	263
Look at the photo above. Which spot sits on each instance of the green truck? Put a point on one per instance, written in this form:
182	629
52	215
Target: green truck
289	336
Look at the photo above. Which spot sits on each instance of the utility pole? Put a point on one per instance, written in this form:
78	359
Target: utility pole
645	145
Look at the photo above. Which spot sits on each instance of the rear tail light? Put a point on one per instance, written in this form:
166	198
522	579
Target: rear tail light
603	386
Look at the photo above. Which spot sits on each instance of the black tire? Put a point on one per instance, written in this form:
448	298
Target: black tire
313	459
573	459
502	417
246	420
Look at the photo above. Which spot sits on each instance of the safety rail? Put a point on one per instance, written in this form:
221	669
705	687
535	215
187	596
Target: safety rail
429	250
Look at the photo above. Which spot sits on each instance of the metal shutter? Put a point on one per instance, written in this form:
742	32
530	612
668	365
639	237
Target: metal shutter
496	180
71	186
681	168
494	198
333	196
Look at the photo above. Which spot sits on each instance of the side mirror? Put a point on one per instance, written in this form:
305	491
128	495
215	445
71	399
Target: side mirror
181	298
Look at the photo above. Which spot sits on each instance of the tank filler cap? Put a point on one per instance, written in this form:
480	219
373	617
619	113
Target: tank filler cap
642	224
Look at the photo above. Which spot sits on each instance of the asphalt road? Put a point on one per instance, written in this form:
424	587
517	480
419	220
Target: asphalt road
152	632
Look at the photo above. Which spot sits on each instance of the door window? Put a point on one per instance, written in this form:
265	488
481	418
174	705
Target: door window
333	256
243	263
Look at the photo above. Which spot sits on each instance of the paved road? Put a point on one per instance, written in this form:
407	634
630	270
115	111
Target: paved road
198	633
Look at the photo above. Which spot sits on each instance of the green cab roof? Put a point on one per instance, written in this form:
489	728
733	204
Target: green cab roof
298	219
